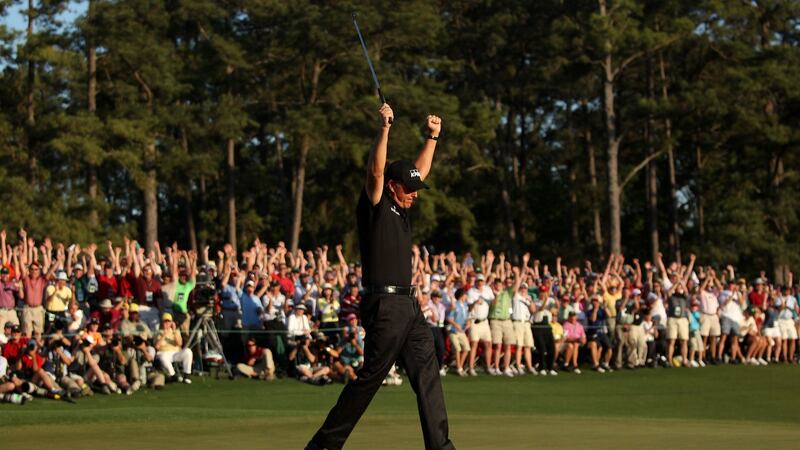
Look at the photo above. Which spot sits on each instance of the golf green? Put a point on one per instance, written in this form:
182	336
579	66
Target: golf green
716	407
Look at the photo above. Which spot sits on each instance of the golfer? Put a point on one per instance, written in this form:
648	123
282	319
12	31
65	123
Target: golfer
390	313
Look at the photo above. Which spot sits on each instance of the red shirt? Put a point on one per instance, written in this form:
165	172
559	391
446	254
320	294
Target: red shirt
147	291
107	287
13	349
127	285
27	362
287	285
256	354
34	290
757	299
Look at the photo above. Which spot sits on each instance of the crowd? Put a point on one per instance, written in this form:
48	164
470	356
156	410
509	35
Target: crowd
77	323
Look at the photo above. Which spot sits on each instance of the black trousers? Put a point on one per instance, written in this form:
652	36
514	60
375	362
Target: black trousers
438	344
545	346
395	331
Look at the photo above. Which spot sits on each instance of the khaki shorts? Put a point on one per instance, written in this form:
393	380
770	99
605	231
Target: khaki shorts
696	342
502	332
459	342
32	320
480	332
709	325
788	331
8	315
522	334
678	328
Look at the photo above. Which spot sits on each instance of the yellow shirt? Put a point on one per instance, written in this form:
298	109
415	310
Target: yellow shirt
558	330
57	299
170	342
610	300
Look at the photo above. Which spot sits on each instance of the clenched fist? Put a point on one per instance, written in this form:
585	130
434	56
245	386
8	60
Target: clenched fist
434	125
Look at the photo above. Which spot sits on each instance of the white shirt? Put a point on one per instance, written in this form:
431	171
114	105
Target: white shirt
485	293
733	311
480	310
298	326
276	310
520	307
791	307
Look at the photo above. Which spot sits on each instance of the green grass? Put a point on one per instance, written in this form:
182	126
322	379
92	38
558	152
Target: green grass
717	407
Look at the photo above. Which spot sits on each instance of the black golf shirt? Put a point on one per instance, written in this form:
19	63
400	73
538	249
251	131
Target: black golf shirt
384	238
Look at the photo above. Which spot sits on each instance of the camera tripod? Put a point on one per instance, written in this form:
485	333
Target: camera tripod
205	338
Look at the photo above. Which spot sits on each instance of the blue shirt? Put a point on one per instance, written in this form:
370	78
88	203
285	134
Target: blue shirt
459	315
250	306
230	299
694	321
598	326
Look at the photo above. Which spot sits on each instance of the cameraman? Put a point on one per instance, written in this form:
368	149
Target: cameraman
306	364
135	333
114	361
351	355
61	358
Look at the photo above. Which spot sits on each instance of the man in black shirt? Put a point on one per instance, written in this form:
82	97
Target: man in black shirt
390	313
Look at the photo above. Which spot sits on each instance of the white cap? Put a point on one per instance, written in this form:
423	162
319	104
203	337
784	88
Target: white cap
480	277
637	291
62	276
436	277
78	266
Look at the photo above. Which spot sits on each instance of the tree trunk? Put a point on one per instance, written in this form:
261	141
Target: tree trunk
299	183
231	200
150	197
652	175
674	230
200	208
614	205
701	220
91	96
30	117
597	222
573	203
191	230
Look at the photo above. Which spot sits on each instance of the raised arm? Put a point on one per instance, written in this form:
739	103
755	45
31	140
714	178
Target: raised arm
425	158
377	157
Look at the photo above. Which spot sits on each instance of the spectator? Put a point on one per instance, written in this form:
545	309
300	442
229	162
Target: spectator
479	298
678	321
438	329
328	310
731	320
709	313
298	325
771	332
9	291
755	344
58	298
457	328
599	343
500	324
350	352
168	345
696	347
257	363
522	310
787	314
574	338
33	290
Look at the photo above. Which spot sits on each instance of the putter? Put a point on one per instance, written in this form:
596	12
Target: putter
369	62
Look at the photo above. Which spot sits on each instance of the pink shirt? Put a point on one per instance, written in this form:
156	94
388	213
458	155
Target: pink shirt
573	331
34	290
709	302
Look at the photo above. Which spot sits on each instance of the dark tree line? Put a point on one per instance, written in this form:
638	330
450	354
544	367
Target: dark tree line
571	127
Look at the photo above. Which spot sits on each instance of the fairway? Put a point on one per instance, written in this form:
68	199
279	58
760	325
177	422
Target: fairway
717	407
